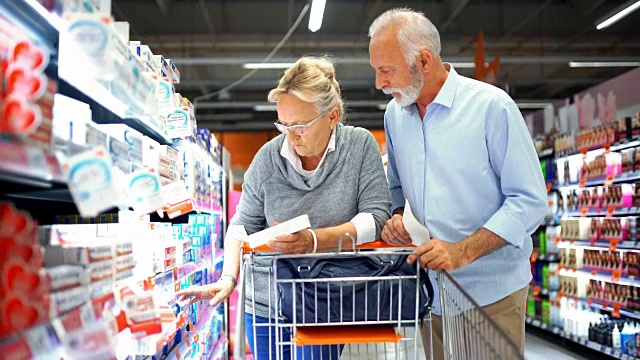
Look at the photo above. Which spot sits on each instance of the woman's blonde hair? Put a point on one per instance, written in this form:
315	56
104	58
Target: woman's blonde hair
312	80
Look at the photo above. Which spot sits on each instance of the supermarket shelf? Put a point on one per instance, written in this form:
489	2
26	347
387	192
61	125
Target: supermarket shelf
633	211
624	279
548	257
616	147
616	354
627	313
542	291
634	176
625	245
545	153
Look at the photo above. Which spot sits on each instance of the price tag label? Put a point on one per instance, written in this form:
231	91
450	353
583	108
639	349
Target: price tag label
609	180
592	242
584	211
616	354
528	320
549	186
556	330
583	182
615	276
616	311
594	346
534	256
613	244
556	240
536	290
610	210
608	351
544	326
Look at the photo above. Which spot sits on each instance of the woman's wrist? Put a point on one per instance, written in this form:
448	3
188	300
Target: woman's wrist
230	278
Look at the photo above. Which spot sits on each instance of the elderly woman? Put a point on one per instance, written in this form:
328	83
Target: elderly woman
319	167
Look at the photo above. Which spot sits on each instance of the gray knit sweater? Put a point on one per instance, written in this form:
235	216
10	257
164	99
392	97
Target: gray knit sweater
351	180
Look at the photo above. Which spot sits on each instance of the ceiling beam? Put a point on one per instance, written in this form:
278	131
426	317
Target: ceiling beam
528	19
455	8
164	5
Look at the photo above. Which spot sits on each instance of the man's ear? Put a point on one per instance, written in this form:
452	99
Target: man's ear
425	59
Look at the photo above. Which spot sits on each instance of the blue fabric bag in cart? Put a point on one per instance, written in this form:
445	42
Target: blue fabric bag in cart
323	301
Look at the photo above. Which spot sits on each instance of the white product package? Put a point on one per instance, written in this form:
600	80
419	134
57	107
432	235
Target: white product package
419	234
288	227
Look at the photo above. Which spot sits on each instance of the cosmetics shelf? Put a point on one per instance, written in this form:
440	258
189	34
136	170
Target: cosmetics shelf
614	148
623	178
602	276
106	109
555	330
632	211
624	245
545	153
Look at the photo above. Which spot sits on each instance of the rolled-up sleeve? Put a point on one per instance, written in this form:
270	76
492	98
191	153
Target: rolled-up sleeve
373	196
395	188
514	160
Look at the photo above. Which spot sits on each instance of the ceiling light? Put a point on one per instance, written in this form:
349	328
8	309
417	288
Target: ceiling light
315	18
533	105
52	18
463	65
622	11
265	108
579	64
267	65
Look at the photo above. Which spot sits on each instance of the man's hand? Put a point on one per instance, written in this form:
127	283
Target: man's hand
394	232
438	255
296	243
215	293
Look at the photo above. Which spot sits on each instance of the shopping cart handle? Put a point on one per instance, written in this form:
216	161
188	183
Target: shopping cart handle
378	244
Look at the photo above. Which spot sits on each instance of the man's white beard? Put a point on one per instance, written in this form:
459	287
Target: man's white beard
409	94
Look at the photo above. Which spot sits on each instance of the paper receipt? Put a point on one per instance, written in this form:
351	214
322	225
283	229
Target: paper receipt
419	234
289	227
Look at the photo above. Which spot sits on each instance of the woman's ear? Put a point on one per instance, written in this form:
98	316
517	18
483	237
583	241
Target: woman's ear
334	117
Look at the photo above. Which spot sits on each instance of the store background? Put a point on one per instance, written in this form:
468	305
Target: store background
565	75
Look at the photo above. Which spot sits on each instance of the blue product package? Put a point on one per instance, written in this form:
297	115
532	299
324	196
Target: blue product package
628	343
197	277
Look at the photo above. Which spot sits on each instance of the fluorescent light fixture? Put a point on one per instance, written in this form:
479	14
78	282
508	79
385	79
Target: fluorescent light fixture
624	10
463	65
267	65
533	105
52	18
582	64
265	107
315	17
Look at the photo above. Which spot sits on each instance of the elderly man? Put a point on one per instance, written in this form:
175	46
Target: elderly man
461	155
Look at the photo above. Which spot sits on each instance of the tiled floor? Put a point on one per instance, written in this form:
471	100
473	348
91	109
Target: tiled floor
540	349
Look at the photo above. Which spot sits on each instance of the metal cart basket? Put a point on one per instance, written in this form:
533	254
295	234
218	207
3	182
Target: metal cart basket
318	314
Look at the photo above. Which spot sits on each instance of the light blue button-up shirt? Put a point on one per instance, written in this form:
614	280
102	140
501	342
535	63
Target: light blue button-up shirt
470	163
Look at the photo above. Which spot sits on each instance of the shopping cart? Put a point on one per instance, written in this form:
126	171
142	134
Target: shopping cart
468	332
365	316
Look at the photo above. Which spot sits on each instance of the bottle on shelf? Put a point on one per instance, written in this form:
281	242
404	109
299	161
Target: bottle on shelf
616	338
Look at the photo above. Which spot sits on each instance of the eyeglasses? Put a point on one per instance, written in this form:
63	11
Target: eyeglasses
298	129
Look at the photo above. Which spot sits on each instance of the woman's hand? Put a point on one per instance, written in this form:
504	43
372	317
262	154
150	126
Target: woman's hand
296	243
215	293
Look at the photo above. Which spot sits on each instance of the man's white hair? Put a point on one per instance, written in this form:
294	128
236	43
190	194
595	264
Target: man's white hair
416	32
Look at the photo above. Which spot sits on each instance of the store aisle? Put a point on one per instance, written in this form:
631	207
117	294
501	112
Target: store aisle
540	349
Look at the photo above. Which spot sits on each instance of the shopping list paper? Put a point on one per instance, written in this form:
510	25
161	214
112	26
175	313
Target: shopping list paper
285	228
418	233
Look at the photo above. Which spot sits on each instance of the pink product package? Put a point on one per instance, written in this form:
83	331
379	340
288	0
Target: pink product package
596	198
627	195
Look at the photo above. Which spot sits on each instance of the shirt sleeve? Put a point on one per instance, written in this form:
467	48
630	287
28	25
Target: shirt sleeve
365	227
373	197
237	232
395	188
514	159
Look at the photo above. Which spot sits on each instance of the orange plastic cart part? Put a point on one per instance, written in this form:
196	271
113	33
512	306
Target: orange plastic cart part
338	335
378	244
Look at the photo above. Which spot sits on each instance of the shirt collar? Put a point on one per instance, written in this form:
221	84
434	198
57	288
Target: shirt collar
289	153
447	92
